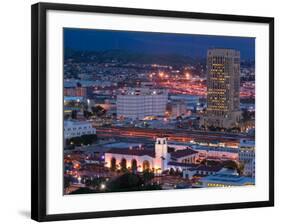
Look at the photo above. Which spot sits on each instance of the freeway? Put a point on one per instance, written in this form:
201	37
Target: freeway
175	135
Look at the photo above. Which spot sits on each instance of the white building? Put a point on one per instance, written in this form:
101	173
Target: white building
139	103
77	128
247	156
142	159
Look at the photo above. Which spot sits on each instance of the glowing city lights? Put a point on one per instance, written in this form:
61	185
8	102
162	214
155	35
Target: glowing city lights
187	75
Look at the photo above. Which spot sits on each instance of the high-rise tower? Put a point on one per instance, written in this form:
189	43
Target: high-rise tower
223	88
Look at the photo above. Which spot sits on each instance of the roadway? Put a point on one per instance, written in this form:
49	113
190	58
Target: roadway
174	135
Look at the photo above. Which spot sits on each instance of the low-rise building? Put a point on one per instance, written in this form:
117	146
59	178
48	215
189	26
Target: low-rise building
75	91
202	170
226	178
247	156
209	151
77	128
141	158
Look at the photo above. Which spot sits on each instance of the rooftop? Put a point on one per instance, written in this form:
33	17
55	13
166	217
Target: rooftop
228	177
143	92
214	148
122	145
73	98
173	163
72	122
133	152
247	143
207	168
183	153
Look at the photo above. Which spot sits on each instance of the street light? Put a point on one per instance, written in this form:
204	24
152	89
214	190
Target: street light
102	186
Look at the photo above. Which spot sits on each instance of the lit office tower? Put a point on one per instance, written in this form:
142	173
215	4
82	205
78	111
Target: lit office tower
223	88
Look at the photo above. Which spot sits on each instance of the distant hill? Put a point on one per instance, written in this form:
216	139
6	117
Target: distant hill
123	56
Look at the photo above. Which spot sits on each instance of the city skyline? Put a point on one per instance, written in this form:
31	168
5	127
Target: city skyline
142	124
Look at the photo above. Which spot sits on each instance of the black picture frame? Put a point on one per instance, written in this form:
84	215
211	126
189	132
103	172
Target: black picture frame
38	108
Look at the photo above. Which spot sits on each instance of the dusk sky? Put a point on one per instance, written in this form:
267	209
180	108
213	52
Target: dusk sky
155	43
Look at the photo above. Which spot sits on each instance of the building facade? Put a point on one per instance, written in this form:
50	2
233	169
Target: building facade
75	91
226	178
140	103
178	108
223	88
77	128
158	159
247	157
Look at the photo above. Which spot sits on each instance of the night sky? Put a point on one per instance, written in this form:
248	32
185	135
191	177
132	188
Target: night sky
155	43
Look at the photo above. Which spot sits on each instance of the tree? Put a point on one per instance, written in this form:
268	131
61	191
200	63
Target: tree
66	116
83	190
66	182
134	165
147	175
241	167
95	182
98	110
113	164
247	116
127	181
73	114
123	165
179	118
87	114
203	162
178	173
229	164
83	139
172	172
212	163
212	128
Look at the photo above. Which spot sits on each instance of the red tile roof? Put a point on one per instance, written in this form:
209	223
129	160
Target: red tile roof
133	152
189	165
182	153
